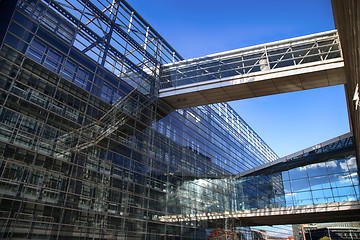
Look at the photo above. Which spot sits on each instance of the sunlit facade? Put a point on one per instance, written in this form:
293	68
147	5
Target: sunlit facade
318	176
327	174
87	149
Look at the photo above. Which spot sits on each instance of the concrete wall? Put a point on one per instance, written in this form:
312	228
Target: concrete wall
347	22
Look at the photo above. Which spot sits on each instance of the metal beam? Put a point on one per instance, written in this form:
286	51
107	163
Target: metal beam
116	27
97	38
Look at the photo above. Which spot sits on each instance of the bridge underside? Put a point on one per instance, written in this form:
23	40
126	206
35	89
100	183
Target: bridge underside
283	80
318	213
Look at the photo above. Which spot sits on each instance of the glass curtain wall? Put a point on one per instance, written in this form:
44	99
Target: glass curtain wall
325	175
86	148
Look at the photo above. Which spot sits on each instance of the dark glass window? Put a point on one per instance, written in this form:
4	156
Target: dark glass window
106	91
68	70
8	117
65	32
29	125
52	60
36	50
81	78
49	22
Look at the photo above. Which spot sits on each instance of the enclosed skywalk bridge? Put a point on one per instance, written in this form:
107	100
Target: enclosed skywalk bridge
290	65
317	184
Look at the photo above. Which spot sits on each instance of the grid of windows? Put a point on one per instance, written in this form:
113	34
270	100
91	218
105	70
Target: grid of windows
334	180
325	175
86	148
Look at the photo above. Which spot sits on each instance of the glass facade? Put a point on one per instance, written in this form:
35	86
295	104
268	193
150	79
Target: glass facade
324	175
88	151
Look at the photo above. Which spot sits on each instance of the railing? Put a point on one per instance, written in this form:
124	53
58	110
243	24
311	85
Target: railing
266	57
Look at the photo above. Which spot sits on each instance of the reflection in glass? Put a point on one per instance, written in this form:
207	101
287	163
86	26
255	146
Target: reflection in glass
337	166
302	198
309	184
319	182
297	173
300	185
317	169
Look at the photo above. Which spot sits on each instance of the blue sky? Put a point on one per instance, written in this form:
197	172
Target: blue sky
287	122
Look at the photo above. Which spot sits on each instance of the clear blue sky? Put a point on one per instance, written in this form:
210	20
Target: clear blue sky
287	122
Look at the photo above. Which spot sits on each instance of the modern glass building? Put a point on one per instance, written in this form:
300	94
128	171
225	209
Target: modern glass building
89	151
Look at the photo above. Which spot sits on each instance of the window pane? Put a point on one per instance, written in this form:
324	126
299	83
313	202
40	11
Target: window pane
300	185
337	166
317	169
81	78
68	70
303	198
52	60
340	180
320	182
285	175
36	50
322	196
297	173
106	92
352	164
287	187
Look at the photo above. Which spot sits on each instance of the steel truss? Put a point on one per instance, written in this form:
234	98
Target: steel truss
267	57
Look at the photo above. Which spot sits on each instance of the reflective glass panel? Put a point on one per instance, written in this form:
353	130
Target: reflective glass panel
297	173
322	196
316	169
287	187
52	60
303	198
36	51
340	180
300	185
337	166
320	182
351	162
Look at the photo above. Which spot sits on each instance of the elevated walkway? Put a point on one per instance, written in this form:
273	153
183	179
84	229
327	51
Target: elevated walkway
315	213
285	66
317	184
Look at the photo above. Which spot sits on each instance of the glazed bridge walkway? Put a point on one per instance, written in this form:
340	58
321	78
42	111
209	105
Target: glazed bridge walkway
317	184
285	66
